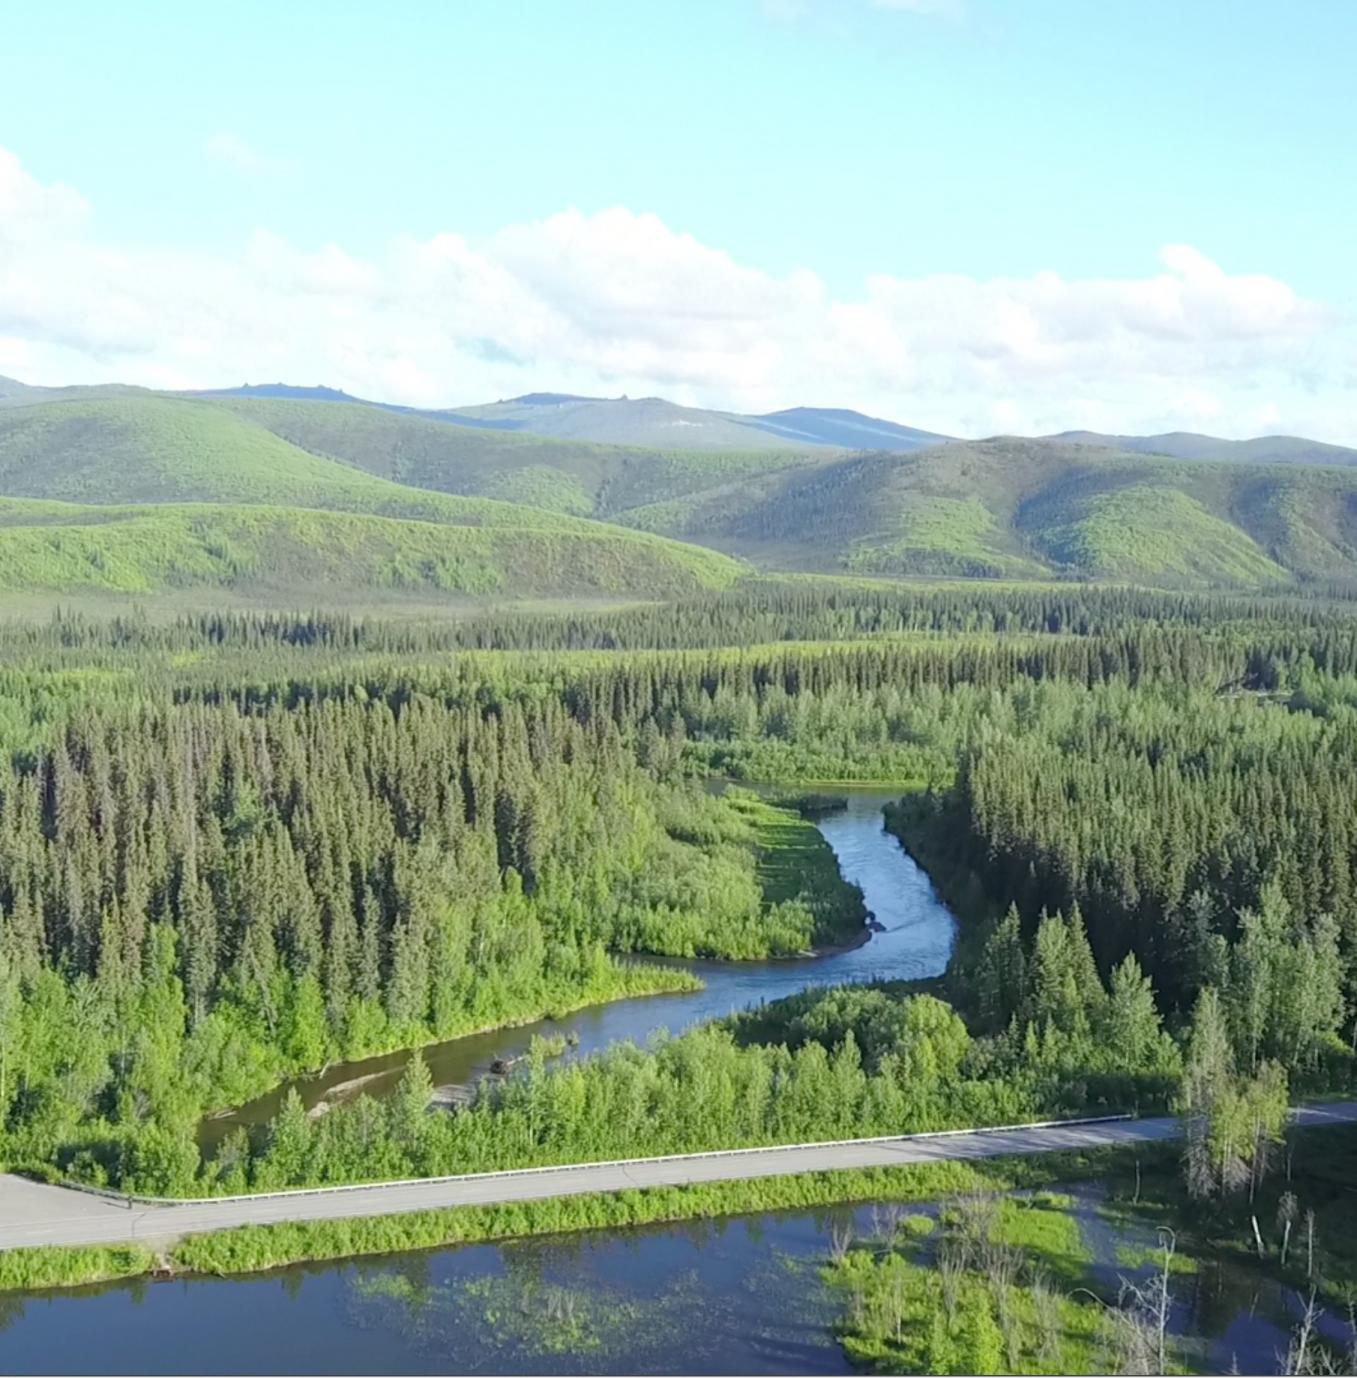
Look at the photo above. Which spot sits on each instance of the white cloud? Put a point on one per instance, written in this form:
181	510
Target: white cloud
231	149
619	302
30	210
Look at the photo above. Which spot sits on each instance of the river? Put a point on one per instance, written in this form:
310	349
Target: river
737	1295
917	942
733	1296
621	1301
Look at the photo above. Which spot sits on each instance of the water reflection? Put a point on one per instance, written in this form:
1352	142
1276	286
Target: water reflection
701	1297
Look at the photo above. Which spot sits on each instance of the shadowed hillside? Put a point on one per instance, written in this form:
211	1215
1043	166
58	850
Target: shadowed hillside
178	493
1266	449
1013	508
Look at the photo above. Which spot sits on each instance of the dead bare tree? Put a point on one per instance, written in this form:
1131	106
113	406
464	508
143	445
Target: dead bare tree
1046	1312
973	1219
1139	1324
840	1240
1300	1358
886	1223
1288	1208
951	1268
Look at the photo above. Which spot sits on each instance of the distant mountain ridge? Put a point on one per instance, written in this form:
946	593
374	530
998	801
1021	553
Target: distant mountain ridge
649	421
655	423
1266	449
303	489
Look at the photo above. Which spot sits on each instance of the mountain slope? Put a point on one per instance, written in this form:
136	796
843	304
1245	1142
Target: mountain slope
573	477
650	422
1013	508
1267	449
13	393
647	421
157	449
179	492
849	430
1003	508
145	549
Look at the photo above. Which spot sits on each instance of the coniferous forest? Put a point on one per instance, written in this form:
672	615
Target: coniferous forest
234	849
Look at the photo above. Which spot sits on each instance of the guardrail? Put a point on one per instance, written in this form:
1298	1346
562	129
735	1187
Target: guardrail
298	1192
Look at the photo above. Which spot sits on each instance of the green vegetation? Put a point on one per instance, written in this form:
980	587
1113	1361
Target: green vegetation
998	509
1012	1286
1153	533
236	848
143	549
995	1297
220	501
33	1269
1032	509
943	536
558	474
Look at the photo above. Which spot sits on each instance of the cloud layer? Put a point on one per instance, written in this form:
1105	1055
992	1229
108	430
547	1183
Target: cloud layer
619	302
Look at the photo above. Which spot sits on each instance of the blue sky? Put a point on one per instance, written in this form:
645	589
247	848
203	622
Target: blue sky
813	146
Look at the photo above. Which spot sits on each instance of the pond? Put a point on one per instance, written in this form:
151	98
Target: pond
742	1295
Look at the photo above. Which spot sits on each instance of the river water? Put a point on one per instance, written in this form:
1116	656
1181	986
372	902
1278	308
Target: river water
917	942
737	1295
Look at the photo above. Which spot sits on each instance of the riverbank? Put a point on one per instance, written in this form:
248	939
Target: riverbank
852	842
916	943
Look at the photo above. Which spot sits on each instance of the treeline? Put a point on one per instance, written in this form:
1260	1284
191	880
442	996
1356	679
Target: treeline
196	901
1213	835
827	1064
761	611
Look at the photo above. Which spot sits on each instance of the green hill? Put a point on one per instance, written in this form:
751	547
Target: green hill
178	493
144	549
649	422
576	477
1004	508
1265	449
1033	509
157	449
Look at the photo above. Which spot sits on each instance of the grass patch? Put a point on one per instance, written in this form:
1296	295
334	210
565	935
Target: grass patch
796	865
36	1269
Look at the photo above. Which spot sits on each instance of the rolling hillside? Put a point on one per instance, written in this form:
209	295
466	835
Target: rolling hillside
649	422
579	478
850	430
142	493
657	424
66	547
646	421
120	489
1032	509
1266	449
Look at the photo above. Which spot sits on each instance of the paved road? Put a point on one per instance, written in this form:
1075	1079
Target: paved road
34	1214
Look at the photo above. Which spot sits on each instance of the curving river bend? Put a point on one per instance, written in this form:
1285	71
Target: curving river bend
617	1301
736	1295
917	942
